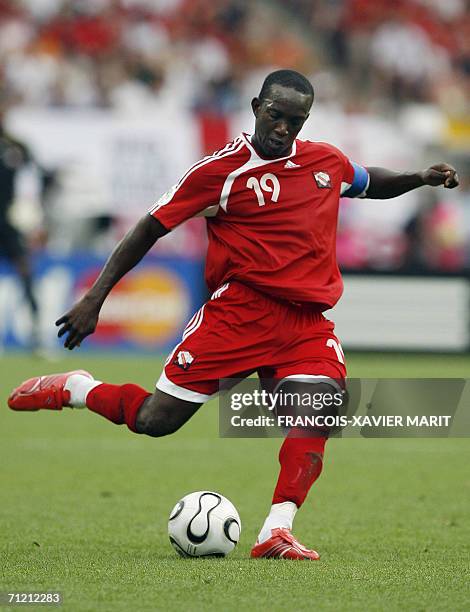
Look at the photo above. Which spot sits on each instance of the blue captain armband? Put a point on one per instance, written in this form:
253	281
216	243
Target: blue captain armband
358	188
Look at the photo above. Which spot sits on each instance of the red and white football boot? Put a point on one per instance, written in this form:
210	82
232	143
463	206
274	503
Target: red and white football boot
283	545
43	392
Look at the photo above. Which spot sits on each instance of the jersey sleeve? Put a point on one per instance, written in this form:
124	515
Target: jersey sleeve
197	190
355	180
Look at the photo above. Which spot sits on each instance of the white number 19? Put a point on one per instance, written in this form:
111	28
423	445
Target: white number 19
263	185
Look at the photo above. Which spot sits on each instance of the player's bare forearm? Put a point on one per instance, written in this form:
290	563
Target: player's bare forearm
127	254
388	184
81	320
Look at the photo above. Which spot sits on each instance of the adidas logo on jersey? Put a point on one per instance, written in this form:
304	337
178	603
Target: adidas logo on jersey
290	164
322	180
184	359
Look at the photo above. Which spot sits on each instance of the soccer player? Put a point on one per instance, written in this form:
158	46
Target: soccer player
13	156
271	265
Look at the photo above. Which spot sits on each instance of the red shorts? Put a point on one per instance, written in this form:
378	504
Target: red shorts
240	331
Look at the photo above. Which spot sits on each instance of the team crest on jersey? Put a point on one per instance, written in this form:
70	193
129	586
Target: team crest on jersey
322	180
184	360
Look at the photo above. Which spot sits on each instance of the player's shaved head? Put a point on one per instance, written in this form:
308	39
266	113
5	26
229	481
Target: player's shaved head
286	78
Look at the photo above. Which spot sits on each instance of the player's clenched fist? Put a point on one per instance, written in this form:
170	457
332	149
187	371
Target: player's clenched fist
441	174
79	322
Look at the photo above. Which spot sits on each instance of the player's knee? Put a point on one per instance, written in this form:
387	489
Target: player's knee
158	423
316	397
322	400
162	415
159	427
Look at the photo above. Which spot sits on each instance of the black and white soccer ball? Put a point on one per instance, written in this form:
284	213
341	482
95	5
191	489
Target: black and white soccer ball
204	524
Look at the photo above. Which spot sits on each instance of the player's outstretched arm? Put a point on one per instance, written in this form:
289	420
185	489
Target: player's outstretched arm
81	320
388	184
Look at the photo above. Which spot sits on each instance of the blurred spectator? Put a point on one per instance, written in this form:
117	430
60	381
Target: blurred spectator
387	52
14	156
436	237
405	61
402	59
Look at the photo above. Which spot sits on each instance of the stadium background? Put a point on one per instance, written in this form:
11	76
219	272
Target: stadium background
116	98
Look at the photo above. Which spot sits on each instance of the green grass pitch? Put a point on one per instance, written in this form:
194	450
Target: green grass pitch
84	507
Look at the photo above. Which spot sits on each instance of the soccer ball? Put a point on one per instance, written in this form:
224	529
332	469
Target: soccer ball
204	524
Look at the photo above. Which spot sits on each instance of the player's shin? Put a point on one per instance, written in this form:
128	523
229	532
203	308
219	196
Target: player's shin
156	415
117	403
301	459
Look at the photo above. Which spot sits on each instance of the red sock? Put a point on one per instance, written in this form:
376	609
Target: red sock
301	460
118	403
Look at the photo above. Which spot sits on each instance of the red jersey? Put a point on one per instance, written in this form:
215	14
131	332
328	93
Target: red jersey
275	220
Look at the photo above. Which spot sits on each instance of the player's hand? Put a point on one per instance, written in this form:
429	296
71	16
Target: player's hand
441	174
79	322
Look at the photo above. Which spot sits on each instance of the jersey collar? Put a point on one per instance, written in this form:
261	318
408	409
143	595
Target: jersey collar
254	155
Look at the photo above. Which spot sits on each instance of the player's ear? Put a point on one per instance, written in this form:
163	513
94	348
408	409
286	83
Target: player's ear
255	105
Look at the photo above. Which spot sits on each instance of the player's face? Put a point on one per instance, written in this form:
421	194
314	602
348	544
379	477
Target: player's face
279	118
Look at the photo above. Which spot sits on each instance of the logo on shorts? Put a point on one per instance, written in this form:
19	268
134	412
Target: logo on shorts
322	180
183	360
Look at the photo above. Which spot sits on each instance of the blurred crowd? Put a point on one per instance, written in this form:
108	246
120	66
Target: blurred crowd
393	52
373	54
375	57
434	238
127	53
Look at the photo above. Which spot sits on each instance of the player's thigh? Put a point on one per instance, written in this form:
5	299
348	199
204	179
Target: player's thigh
310	377
225	339
316	407
162	414
316	354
